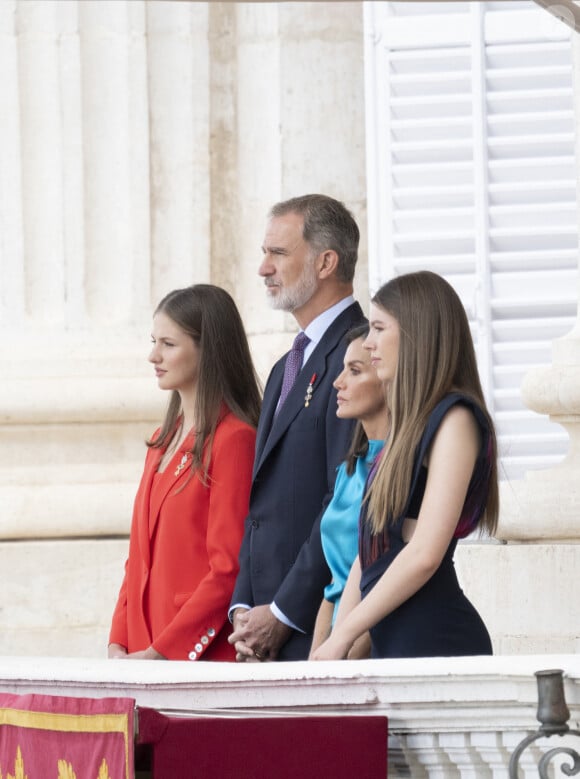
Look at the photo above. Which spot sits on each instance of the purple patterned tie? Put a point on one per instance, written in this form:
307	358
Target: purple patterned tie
293	366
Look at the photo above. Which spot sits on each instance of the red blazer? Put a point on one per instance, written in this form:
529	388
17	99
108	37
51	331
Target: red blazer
183	551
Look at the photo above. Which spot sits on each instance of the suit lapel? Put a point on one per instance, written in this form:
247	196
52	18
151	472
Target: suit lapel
269	403
293	403
145	492
176	472
273	428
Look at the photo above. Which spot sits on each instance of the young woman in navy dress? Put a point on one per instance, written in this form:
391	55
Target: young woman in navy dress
435	482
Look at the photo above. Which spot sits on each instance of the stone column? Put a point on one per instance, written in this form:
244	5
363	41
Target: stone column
75	266
179	144
141	145
76	398
299	127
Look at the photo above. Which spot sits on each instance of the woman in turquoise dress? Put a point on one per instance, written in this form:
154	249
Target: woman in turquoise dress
361	396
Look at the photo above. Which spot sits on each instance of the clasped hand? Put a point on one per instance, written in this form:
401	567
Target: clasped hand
257	635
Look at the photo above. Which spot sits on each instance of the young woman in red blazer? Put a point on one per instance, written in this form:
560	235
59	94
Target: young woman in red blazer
190	507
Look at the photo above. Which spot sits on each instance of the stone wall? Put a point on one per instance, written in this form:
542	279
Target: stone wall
141	147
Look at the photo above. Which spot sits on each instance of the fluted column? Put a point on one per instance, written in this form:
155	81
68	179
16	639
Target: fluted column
299	72
79	273
115	164
75	266
179	126
141	145
11	249
75	167
43	199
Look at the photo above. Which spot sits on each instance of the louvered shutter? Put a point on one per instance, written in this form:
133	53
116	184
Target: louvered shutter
471	173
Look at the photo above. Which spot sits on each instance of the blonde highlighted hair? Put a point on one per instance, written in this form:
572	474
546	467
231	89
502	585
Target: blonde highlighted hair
436	357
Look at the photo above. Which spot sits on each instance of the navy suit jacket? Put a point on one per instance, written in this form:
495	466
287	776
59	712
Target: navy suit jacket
297	453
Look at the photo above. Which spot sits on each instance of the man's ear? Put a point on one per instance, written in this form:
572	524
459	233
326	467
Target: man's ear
327	263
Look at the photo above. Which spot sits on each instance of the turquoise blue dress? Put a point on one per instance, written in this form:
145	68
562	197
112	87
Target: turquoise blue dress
339	523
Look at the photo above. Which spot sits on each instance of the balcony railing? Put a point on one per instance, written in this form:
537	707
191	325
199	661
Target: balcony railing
448	717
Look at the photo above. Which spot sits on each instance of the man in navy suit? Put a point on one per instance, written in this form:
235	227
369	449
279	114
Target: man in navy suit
309	258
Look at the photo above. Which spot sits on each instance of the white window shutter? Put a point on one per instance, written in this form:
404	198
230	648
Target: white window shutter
471	171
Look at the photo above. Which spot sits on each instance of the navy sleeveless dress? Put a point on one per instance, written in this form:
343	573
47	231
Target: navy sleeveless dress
438	620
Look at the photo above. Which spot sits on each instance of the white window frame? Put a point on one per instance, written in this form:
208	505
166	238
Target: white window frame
526	441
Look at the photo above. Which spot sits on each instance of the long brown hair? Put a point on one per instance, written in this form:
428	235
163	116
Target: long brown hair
226	372
436	356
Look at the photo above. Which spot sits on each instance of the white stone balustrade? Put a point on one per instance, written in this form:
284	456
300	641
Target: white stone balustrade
449	718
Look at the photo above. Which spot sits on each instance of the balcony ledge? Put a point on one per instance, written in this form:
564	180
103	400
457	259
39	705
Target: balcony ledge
448	717
422	694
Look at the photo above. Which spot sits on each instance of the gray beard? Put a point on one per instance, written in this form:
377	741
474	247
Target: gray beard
292	298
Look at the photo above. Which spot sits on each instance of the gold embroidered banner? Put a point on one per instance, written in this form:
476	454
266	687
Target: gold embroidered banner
45	736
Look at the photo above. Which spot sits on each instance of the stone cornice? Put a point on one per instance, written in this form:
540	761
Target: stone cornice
418	695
